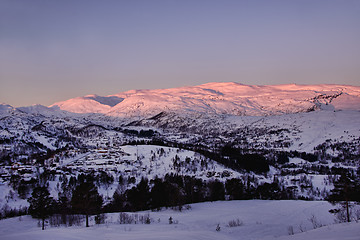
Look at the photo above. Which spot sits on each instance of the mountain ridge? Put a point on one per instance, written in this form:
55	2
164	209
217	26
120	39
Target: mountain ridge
220	98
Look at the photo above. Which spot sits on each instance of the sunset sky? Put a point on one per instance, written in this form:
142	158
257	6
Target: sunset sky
55	50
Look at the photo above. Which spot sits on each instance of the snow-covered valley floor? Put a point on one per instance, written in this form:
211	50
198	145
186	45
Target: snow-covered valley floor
258	219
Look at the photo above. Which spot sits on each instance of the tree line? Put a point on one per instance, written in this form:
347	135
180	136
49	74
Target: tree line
81	196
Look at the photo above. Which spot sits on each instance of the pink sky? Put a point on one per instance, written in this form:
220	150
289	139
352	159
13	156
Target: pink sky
55	50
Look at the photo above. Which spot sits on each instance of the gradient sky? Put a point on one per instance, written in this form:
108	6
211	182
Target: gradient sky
53	50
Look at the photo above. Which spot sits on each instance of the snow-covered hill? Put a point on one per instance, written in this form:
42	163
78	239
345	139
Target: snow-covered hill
220	98
257	220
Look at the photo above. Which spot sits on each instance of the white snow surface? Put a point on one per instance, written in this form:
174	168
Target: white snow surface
5	109
343	231
260	220
220	98
306	130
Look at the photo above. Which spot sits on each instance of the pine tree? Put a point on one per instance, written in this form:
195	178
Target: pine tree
216	190
139	197
86	199
41	204
234	188
346	189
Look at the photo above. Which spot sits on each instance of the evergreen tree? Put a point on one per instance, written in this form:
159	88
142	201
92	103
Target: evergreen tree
86	199
194	190
41	204
346	189
268	191
235	189
139	197
216	190
157	194
167	193
118	200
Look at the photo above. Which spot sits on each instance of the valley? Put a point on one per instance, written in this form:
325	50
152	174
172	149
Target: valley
195	147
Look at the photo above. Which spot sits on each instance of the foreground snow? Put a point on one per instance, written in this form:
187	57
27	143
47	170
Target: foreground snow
343	231
260	220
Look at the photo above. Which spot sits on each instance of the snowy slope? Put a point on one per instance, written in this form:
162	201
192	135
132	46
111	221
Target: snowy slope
152	161
261	220
83	105
303	130
44	111
220	98
334	232
6	110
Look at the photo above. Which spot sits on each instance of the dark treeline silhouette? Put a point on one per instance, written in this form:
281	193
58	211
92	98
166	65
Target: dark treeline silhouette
79	195
176	190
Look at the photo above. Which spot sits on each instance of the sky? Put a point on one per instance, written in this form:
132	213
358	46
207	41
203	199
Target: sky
55	50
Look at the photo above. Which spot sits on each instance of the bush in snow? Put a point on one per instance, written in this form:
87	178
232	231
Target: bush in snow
315	222
7	212
125	218
57	220
290	230
100	219
218	228
235	223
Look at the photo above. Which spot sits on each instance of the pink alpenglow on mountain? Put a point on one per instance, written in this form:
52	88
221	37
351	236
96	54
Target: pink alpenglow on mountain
220	98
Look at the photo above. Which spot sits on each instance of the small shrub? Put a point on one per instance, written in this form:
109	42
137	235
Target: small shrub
57	220
302	228
100	219
357	215
235	223
7	212
218	228
145	219
316	223
75	220
290	230
125	218
177	208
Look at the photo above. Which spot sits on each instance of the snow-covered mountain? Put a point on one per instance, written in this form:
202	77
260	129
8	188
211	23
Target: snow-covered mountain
281	117
220	98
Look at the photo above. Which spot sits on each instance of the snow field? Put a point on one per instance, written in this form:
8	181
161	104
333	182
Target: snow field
260	220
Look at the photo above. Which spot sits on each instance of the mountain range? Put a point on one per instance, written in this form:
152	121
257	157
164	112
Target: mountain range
292	117
219	98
